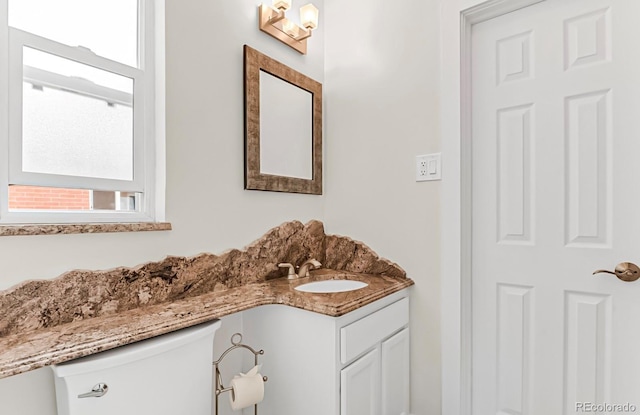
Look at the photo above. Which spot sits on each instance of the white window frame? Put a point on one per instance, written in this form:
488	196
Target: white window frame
148	110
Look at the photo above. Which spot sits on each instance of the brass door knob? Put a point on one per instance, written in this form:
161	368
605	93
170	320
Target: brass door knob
626	271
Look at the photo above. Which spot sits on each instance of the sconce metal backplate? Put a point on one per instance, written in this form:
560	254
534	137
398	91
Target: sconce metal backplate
266	14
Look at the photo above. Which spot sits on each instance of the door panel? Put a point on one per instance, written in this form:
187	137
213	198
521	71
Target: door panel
360	386
395	374
514	348
588	120
514	174
587	348
556	190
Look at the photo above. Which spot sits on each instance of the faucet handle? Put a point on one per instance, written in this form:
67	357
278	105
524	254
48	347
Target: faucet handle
292	272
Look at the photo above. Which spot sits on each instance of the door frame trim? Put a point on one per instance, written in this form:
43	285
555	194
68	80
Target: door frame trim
457	18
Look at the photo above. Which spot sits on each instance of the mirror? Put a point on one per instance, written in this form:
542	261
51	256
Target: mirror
283	127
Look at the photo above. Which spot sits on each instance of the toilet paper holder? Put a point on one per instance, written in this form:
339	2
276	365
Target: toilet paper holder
236	342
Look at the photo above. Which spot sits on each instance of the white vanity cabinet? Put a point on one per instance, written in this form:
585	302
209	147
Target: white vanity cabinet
386	366
356	364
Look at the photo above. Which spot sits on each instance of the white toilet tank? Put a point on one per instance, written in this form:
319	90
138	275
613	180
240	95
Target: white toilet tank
166	375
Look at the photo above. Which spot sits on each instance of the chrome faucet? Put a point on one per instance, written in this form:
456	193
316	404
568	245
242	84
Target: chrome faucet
304	268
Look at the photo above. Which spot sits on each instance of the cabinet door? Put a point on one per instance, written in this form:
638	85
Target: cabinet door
360	384
395	374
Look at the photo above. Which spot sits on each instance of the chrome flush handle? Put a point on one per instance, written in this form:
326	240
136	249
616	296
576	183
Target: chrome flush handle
625	271
97	391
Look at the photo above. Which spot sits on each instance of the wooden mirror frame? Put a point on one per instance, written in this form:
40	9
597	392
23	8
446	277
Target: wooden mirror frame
254	62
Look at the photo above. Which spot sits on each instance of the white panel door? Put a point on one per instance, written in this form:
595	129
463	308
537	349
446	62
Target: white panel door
395	374
556	192
360	386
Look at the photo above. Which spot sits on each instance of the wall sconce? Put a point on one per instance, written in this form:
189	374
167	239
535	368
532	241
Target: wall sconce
273	22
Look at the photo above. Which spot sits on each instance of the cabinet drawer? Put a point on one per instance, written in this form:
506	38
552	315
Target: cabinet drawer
366	332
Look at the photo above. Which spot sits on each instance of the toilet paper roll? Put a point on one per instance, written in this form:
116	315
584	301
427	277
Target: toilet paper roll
247	389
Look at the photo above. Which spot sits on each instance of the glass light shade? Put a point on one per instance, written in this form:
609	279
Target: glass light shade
309	16
282	4
289	28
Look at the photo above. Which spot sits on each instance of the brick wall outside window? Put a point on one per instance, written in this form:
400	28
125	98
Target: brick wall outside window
48	198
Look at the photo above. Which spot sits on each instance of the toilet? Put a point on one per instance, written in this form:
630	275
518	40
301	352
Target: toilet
166	375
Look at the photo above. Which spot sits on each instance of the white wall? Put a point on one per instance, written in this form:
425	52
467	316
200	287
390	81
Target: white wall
206	203
381	93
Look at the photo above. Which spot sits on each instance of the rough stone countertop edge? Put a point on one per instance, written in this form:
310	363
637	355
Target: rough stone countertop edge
51	346
73	228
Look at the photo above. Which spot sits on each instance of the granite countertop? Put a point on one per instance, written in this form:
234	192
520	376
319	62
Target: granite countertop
24	352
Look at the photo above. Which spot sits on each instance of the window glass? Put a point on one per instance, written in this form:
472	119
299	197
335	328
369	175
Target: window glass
108	200
104	200
48	198
108	27
38	198
76	126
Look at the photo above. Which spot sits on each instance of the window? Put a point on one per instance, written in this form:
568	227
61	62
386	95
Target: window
79	93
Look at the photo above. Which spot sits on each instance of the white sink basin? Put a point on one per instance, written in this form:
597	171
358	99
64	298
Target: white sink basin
331	286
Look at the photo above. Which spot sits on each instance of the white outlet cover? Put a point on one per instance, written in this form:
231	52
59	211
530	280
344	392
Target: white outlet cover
428	167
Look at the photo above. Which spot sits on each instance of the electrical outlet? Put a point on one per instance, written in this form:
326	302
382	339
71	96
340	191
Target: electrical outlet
428	167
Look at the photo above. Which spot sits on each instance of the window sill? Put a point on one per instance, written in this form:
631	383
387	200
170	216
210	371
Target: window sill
71	228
